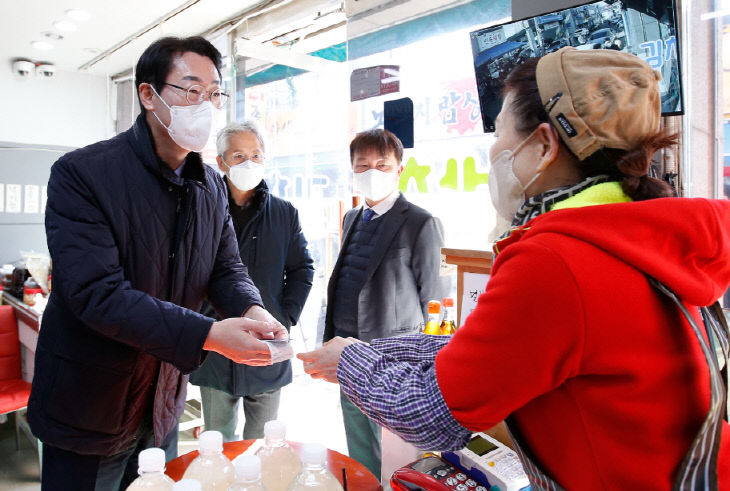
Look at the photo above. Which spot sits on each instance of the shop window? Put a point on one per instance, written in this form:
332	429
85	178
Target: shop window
309	121
446	170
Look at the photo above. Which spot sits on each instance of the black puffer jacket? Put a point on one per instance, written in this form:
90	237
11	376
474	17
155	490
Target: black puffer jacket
135	249
274	249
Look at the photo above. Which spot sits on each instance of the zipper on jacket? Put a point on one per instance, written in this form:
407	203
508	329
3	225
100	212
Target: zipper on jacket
250	228
177	239
254	245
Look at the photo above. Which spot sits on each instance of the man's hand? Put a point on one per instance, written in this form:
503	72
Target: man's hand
236	339
322	362
277	331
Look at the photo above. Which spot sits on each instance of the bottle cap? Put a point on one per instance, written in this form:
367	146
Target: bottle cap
187	485
151	460
313	454
434	307
275	429
448	302
248	467
211	441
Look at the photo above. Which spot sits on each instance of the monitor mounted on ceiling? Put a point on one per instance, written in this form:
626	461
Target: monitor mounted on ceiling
646	28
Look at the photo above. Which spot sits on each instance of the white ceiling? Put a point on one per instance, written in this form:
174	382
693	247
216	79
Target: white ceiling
114	22
24	21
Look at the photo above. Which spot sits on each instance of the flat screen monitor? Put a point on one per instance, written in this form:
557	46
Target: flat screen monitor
646	28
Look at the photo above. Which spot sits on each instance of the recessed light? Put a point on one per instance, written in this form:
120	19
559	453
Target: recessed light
42	45
78	15
53	36
65	25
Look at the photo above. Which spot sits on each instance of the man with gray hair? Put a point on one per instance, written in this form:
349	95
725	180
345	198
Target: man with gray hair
274	249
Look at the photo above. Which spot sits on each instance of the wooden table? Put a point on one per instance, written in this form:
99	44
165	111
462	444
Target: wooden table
358	477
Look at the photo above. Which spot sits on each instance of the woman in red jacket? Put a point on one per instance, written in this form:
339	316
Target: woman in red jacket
602	380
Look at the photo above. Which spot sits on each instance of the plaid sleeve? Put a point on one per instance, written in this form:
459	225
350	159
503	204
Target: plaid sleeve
411	348
402	396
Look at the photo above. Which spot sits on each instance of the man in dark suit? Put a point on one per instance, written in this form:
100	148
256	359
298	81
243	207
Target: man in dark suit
386	272
139	234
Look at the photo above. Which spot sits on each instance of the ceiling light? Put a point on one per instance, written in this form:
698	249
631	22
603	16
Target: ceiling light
78	15
53	36
42	45
64	25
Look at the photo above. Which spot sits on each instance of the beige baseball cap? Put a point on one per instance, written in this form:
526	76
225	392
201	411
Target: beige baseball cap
599	98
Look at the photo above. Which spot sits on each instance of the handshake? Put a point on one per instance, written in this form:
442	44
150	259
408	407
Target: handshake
255	339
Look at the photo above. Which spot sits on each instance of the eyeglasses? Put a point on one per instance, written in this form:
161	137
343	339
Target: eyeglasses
195	94
239	158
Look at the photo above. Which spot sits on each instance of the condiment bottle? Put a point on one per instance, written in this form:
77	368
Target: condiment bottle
432	326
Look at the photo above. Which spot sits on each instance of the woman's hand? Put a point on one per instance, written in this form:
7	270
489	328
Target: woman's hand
322	362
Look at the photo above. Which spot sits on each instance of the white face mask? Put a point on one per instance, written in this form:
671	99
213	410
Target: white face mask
246	175
189	125
505	190
375	184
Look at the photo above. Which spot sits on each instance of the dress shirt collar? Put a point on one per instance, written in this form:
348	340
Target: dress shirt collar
384	206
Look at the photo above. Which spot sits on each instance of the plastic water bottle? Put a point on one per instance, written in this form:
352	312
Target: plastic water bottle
279	463
248	474
187	485
151	472
212	468
315	475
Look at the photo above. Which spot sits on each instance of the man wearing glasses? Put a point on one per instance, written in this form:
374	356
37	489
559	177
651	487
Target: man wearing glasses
273	247
139	234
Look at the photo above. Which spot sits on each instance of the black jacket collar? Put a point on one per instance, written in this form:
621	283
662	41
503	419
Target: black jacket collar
260	197
140	138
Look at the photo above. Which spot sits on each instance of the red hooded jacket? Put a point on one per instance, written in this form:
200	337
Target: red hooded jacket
601	373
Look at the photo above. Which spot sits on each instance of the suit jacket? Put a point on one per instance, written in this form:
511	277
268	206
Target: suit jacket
403	274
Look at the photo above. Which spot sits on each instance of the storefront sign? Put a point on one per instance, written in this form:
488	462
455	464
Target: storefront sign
374	81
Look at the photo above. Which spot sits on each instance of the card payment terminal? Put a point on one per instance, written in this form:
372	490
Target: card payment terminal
432	473
485	457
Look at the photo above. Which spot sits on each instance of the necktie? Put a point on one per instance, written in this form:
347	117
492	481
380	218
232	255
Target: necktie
367	215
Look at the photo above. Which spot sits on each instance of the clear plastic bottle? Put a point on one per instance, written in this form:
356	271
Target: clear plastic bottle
248	474
315	475
187	485
212	468
151	472
279	464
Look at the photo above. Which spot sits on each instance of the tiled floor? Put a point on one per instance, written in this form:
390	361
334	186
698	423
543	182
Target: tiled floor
19	470
310	409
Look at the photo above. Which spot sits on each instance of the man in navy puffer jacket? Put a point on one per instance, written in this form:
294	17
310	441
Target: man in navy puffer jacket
139	235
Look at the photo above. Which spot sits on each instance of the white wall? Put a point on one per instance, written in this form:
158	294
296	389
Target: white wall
70	109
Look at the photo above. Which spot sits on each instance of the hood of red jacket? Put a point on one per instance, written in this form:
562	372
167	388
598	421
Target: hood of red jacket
684	243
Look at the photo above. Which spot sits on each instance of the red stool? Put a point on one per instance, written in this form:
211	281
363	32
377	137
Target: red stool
14	391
